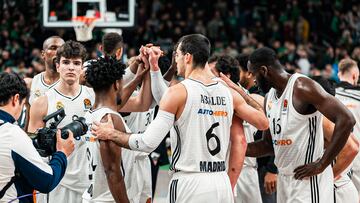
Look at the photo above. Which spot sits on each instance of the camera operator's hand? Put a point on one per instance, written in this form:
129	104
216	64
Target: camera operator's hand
67	146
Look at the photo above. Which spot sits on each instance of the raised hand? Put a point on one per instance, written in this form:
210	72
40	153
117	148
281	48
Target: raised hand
154	55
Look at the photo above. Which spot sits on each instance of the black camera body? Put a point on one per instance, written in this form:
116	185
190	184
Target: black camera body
44	139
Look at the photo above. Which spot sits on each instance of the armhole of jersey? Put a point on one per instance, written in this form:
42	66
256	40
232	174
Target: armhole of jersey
292	109
231	107
188	104
47	94
265	103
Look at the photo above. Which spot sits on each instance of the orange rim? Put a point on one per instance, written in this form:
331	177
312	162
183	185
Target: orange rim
86	20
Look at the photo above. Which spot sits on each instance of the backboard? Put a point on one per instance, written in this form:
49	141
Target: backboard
110	13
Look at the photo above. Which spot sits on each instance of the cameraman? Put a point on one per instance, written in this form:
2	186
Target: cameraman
22	169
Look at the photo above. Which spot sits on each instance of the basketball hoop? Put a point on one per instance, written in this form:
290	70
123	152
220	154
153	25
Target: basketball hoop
83	27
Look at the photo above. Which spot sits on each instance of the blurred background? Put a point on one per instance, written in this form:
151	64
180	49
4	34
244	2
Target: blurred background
309	36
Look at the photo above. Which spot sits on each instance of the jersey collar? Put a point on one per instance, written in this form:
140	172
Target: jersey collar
5	117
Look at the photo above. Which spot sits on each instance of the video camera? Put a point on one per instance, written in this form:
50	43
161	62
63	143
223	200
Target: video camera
44	139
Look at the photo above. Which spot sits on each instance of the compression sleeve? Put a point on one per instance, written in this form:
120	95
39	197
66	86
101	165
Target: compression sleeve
128	76
158	85
154	134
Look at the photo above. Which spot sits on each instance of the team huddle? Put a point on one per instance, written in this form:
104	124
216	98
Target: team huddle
212	115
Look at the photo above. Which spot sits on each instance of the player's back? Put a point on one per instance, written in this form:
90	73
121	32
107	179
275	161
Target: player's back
203	129
350	96
98	190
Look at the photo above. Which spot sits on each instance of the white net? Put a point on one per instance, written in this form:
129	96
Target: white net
83	28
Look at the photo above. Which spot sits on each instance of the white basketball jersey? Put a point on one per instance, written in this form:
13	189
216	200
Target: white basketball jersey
139	121
350	97
297	139
98	190
75	177
250	132
202	135
39	87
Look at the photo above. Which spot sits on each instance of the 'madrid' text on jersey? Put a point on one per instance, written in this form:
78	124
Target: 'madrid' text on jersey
212	166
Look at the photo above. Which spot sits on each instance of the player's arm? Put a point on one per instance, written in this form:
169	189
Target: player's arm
157	130
158	85
127	91
28	82
262	147
111	156
38	111
309	92
237	150
143	101
255	117
347	154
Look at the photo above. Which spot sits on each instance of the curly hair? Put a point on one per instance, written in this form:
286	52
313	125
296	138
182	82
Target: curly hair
71	49
103	72
228	65
10	85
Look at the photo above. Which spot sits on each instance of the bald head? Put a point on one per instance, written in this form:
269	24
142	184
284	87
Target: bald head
49	41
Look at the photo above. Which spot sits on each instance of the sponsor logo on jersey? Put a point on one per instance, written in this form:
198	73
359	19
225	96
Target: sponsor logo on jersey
285	106
212	166
212	113
285	142
351	106
213	100
37	93
59	105
90	139
87	103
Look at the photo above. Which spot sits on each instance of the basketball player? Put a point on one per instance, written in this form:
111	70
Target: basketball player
136	164
201	110
112	46
43	81
294	106
107	182
76	101
348	93
344	189
227	65
267	171
246	186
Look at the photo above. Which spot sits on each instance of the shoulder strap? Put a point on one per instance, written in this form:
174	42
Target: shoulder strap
3	191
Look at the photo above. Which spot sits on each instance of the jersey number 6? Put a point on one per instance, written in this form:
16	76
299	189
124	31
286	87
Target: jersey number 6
209	135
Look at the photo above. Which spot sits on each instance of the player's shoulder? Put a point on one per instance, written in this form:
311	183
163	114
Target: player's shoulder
88	90
304	85
177	89
41	101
